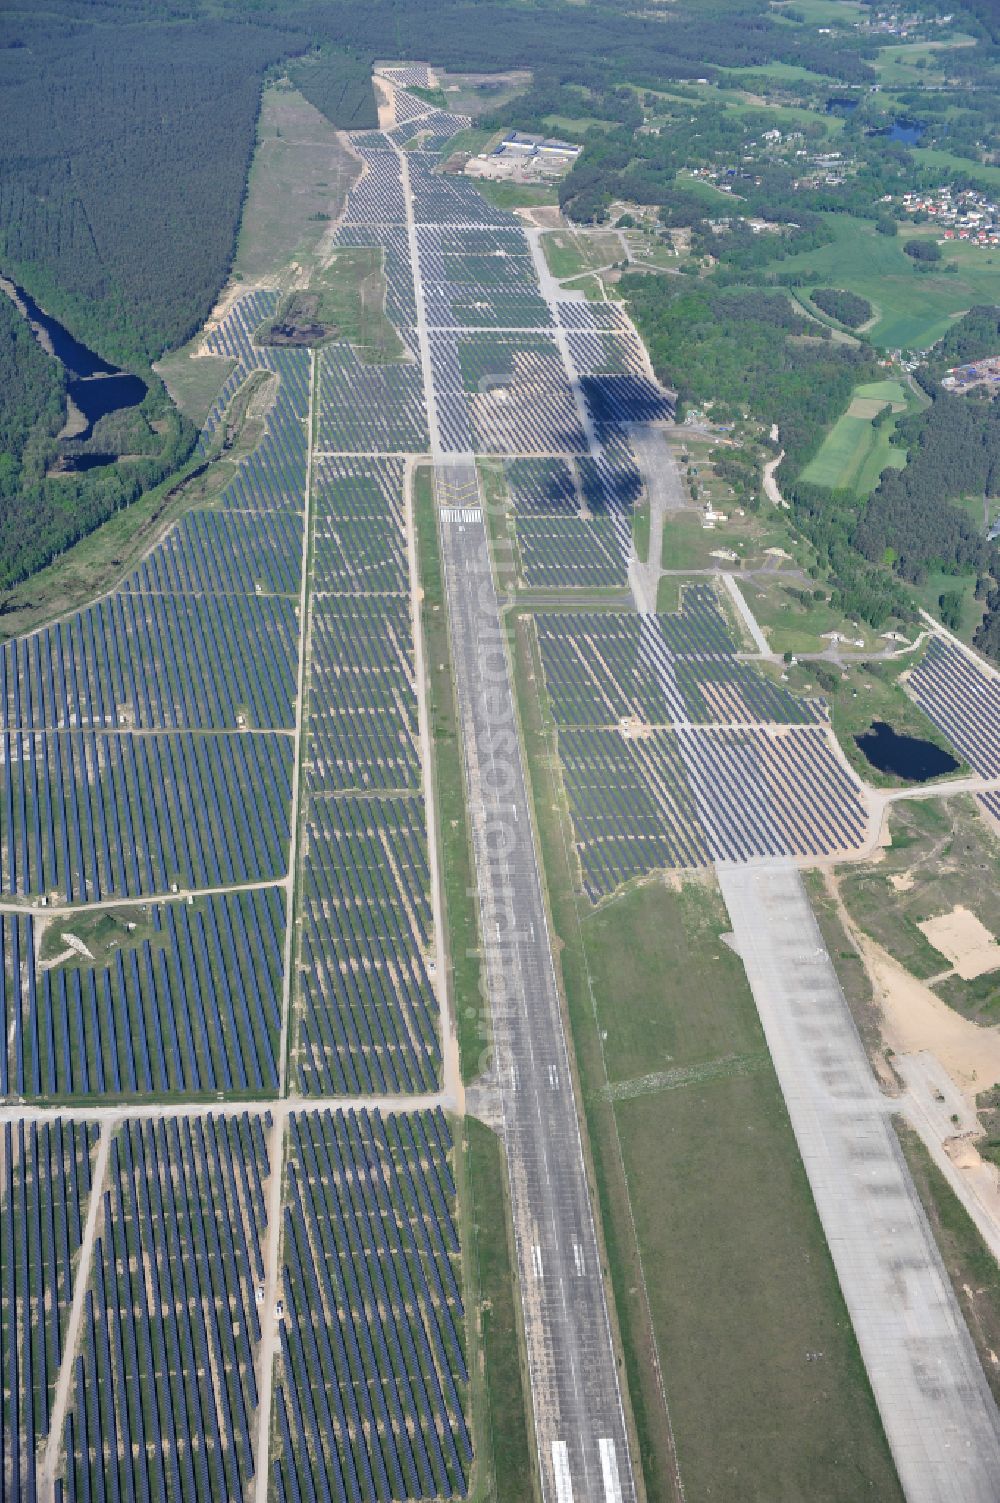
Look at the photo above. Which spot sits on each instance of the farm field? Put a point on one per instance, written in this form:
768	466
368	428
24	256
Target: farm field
853	454
913	308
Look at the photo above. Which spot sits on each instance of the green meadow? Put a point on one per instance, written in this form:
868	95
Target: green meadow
914	308
854	453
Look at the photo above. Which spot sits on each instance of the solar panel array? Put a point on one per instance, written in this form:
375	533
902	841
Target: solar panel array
89	815
180	661
146	749
165	1392
601	667
675	753
192	1007
367	1392
145	755
367	1013
962	698
45	1175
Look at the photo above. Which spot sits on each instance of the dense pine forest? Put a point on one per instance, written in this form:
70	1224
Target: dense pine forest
32	391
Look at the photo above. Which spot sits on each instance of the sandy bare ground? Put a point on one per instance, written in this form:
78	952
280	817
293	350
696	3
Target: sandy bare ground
963	939
771	490
543	217
915	1018
385	98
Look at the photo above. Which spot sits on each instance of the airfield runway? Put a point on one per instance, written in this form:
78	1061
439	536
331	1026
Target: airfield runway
577	1405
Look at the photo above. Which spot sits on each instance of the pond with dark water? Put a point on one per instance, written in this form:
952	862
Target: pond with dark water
907	131
910	757
96	387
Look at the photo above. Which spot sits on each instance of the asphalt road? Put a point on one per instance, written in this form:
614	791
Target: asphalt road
579	1424
939	1416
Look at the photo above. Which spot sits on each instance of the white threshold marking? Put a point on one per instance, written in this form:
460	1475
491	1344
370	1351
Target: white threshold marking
553	1077
536	1260
578	1260
461	513
560	1466
609	1469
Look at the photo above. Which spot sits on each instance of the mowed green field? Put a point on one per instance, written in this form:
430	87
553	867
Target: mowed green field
569	252
913	308
854	454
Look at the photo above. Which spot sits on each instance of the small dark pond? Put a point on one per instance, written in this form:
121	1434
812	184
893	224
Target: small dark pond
907	131
840	105
909	757
96	387
78	464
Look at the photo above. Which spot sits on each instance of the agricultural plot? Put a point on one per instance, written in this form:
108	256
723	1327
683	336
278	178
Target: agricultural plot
45	1177
359	539
370	409
179	999
88	815
363	707
368	1391
171	662
368	1013
165	1393
963	701
853	454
